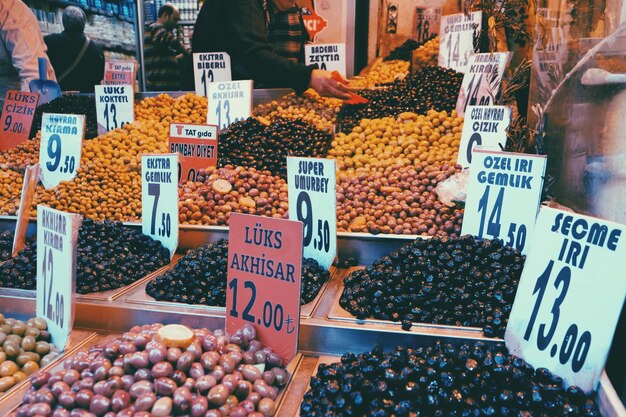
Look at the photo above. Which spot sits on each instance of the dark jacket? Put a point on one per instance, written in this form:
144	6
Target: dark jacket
238	27
63	48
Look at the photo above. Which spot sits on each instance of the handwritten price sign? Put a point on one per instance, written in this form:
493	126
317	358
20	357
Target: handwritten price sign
17	117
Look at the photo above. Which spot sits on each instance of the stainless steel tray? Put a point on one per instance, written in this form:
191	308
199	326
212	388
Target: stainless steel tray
338	313
138	295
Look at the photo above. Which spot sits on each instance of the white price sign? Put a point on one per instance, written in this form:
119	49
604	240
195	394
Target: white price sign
484	126
482	79
569	296
312	200
427	23
159	199
503	195
328	56
456	37
115	106
229	102
57	235
60	149
210	67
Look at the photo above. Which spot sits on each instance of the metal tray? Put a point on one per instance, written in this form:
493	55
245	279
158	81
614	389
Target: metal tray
138	295
338	313
12	398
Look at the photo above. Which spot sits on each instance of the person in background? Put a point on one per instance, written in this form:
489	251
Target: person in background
265	41
162	50
21	44
77	60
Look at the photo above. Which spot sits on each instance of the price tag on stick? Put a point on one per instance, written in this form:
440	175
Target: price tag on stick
569	296
29	185
329	56
57	235
17	117
503	195
61	145
456	37
210	67
484	126
264	279
115	106
196	146
229	102
159	199
427	23
482	79
119	73
313	201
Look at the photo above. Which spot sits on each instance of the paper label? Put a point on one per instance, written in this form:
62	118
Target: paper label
17	117
61	145
196	146
229	102
328	56
119	73
115	107
484	126
456	39
210	67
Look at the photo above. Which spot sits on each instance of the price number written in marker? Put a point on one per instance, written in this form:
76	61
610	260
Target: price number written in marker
229	102
482	79
210	67
329	56
57	233
427	23
504	191
312	199
573	281
114	106
16	118
484	126
61	146
159	198
264	279
456	35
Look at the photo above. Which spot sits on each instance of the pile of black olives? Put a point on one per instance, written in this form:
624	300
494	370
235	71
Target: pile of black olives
405	51
463	281
69	104
6	245
200	278
434	88
441	380
251	144
109	256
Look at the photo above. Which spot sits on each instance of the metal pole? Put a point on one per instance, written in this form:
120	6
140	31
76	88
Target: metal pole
139	29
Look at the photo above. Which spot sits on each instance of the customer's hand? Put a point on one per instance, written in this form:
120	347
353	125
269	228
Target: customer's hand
325	85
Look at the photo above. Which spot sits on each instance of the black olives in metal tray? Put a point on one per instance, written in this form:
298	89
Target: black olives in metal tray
109	256
432	88
463	281
251	144
472	380
200	278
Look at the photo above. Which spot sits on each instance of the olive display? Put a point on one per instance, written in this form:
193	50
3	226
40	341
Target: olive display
22	155
380	73
400	200
309	106
6	245
69	104
221	191
147	373
109	256
463	281
25	348
441	380
405	51
200	278
10	190
251	144
433	88
426	55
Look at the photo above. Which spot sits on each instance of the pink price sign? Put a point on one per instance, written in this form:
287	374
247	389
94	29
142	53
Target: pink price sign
264	277
17	117
119	73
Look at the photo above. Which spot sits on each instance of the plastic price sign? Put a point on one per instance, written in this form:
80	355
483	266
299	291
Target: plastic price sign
159	199
482	79
57	235
115	106
17	118
503	195
119	73
427	23
210	67
328	56
569	296
484	126
61	145
229	102
456	37
264	279
196	146
312	200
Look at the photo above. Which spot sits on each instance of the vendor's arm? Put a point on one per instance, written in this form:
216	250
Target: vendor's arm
25	45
